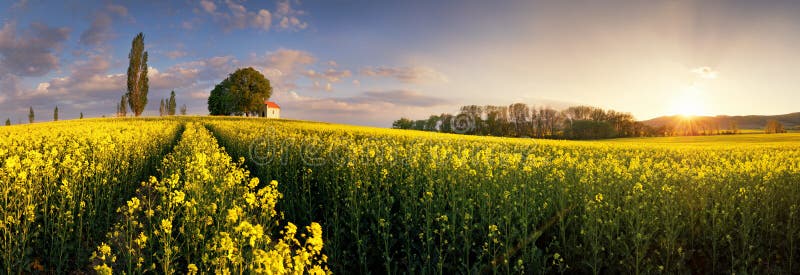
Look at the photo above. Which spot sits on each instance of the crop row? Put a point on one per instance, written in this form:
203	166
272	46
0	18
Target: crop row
205	214
61	183
411	202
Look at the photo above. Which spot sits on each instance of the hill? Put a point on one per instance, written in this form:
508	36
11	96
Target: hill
789	121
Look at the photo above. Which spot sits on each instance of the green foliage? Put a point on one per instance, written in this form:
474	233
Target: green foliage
171	104
31	115
774	127
242	92
122	108
55	114
81	116
589	129
403	123
8	122
519	120
162	109
138	82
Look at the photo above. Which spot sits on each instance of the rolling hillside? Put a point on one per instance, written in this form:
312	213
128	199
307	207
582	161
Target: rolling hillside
789	121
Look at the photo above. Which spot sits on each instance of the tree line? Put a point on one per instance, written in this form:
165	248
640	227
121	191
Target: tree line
521	120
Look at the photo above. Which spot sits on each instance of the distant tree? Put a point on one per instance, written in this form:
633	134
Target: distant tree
734	127
183	110
138	83
31	115
519	115
551	119
774	127
55	114
475	113
432	124
446	125
171	104
162	110
8	122
589	129
403	123
420	124
81	115
122	108
496	120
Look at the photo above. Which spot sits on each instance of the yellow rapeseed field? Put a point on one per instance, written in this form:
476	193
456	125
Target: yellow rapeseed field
72	201
415	202
161	195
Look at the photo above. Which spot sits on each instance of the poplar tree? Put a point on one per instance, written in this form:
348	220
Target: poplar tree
138	83
55	114
171	104
30	115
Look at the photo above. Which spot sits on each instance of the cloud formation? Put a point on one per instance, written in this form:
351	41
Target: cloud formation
288	17
330	75
175	54
370	107
31	53
417	74
704	72
236	16
100	29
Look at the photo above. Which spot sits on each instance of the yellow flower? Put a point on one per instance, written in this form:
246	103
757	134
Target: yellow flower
166	226
103	269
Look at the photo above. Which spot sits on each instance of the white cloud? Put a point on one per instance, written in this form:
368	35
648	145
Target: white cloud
288	17
175	54
236	16
208	6
417	74
262	19
704	72
331	75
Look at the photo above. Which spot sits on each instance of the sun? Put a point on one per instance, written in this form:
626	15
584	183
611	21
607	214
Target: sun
689	103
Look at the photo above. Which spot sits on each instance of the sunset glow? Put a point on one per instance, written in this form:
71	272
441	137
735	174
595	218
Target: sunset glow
689	102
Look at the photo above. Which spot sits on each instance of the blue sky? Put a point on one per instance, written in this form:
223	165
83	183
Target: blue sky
370	62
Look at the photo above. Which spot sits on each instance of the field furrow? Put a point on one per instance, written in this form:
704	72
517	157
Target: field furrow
61	183
204	214
412	202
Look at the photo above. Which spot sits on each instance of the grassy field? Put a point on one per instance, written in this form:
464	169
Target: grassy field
390	201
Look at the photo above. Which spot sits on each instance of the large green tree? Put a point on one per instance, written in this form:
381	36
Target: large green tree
243	92
138	83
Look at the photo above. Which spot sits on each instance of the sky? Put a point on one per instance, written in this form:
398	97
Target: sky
371	62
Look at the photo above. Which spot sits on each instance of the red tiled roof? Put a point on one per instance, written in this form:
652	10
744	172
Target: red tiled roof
272	104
